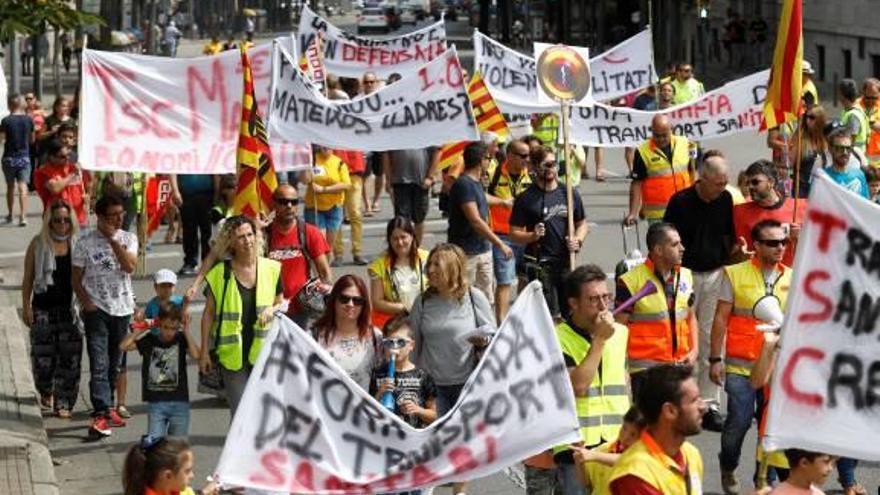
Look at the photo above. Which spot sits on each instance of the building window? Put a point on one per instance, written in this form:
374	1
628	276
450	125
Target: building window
820	53
875	64
847	63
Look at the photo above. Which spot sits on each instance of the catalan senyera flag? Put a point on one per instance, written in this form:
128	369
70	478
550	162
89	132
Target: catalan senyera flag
488	117
255	170
784	89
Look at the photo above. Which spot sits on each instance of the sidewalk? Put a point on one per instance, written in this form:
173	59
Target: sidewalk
25	463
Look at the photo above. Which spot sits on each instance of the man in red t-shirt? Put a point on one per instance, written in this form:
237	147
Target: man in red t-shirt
60	179
767	204
284	246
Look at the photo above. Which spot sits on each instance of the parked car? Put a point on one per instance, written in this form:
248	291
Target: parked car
373	19
408	15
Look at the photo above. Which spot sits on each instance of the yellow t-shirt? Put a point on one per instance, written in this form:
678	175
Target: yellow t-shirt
212	48
329	170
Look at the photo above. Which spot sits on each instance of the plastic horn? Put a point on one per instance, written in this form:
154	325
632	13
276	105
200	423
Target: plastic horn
768	310
388	396
646	290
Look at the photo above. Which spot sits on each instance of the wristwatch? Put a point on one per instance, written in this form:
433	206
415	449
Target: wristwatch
716	359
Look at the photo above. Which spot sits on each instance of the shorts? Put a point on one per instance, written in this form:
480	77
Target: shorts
505	269
479	273
17	169
374	164
411	201
329	220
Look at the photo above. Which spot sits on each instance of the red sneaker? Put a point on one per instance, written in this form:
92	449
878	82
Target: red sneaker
100	427
115	419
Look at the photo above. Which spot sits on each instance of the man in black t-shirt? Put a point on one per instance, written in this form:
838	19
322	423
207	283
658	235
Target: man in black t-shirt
468	220
539	221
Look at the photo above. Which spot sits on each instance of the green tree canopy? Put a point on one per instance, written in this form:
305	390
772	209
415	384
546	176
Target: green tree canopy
30	16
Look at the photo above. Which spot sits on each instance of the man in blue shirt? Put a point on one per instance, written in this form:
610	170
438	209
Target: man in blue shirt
195	195
851	178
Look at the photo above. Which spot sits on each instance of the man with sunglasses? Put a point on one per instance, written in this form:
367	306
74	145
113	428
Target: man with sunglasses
735	330
687	87
294	243
852	115
59	178
870	104
840	171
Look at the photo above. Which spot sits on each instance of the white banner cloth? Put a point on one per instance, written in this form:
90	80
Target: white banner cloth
427	107
825	385
348	55
304	426
172	115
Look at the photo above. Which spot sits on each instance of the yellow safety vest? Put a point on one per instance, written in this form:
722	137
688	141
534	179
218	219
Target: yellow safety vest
380	269
744	341
652	338
229	346
647	461
686	91
599	473
666	175
810	87
547	130
872	149
600	413
860	140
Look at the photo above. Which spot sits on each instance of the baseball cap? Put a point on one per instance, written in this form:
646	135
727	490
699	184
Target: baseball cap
165	276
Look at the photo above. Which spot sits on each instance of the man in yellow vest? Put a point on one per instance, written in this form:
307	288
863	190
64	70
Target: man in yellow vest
546	128
662	325
808	88
660	169
506	182
594	348
663	462
853	116
870	103
687	87
735	330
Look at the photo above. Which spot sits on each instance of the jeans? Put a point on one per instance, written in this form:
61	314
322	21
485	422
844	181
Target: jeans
743	404
567	480
104	332
195	218
168	419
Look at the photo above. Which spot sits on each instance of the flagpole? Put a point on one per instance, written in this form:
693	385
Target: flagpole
569	187
797	170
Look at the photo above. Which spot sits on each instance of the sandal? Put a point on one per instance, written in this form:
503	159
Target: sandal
64	413
123	412
46	403
600	176
856	489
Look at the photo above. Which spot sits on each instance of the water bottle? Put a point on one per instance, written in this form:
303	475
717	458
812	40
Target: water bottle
388	396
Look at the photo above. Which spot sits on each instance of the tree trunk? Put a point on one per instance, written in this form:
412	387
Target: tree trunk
37	65
56	62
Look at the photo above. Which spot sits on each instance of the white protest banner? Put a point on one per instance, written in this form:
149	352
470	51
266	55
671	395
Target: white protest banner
172	115
825	385
510	75
426	108
732	108
304	426
350	56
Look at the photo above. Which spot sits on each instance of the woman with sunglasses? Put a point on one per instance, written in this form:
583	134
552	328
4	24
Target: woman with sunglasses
345	332
47	308
397	276
245	284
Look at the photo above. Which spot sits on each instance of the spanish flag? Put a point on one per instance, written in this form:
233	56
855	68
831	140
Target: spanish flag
784	89
488	117
255	170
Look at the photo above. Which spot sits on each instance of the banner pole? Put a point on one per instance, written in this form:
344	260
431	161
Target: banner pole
797	170
569	187
141	269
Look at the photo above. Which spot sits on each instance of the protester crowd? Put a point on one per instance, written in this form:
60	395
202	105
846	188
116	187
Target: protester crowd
644	379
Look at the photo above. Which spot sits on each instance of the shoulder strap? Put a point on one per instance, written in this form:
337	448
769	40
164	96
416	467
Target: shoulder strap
496	177
304	245
473	307
219	310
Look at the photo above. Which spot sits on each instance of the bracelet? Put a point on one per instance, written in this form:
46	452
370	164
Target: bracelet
716	359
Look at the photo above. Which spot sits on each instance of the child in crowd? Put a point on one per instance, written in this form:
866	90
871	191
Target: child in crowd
872	175
809	470
161	466
164	281
414	390
164	381
595	464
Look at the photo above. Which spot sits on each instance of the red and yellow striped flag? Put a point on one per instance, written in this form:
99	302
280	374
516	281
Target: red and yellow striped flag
488	117
784	89
255	170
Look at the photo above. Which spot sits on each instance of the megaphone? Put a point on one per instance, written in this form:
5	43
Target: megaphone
646	290
769	310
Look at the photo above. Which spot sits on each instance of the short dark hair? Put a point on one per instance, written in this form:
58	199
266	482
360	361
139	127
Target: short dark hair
795	456
394	324
107	200
659	385
67	126
635	417
170	311
473	154
759	227
763	167
658	233
871	174
54	146
848	89
582	275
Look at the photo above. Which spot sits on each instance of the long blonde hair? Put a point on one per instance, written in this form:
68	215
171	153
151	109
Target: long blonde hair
45	235
450	260
223	241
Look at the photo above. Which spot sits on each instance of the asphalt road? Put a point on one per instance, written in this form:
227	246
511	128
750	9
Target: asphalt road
94	467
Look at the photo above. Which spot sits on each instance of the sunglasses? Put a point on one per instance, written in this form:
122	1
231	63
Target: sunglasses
398	343
60	220
840	149
522	155
287	201
774	243
356	300
605	298
548	165
811	117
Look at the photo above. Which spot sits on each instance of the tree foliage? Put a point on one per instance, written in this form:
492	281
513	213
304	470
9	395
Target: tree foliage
30	16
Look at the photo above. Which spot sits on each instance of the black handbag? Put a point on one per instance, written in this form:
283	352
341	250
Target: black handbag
310	299
212	382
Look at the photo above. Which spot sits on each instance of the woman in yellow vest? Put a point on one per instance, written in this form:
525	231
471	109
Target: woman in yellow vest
397	276
241	298
325	194
595	464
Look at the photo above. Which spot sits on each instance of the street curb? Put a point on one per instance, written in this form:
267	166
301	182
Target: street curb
25	461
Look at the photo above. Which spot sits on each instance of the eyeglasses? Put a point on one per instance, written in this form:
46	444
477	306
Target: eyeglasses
356	300
287	201
605	298
756	181
548	164
522	155
836	148
774	243
60	220
370	81
398	343
811	117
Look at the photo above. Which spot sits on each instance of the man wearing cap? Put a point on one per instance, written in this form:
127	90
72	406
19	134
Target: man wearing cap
164	281
807	86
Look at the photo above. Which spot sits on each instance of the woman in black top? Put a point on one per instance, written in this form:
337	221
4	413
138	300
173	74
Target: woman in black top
47	297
